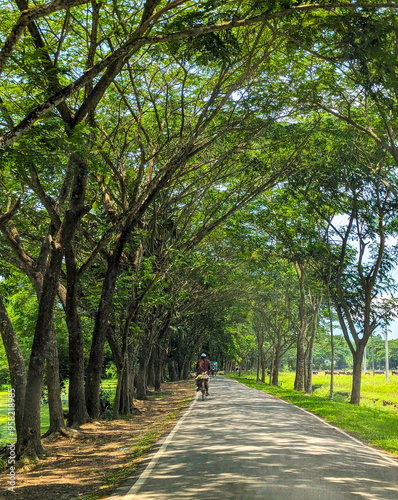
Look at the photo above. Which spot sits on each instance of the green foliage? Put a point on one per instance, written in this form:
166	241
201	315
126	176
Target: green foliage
291	121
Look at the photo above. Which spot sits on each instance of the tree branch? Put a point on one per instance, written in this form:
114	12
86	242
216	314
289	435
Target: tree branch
121	55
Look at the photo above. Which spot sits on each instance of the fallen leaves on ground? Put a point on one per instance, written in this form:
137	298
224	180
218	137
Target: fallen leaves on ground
77	466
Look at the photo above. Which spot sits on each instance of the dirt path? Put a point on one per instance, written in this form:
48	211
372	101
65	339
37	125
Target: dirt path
105	453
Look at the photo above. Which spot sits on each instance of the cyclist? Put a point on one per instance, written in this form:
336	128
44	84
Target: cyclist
203	365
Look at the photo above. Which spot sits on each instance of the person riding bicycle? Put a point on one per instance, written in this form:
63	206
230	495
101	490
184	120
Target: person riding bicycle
213	368
203	365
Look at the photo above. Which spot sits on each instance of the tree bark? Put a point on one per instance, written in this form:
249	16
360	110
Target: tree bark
310	351
356	375
151	370
30	443
16	366
141	377
77	414
57	421
308	378
275	366
301	334
158	366
172	370
315	305
126	402
117	401
187	367
94	368
262	366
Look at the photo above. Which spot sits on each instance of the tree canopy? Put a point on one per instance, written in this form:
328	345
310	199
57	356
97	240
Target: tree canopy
183	175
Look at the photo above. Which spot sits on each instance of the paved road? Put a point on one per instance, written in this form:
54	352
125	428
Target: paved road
244	444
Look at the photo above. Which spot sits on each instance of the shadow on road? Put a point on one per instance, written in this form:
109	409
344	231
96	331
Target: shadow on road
244	444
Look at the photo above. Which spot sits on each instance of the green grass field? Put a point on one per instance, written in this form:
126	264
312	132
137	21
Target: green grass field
109	385
374	421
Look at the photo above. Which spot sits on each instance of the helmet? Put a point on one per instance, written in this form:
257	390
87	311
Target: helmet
203	355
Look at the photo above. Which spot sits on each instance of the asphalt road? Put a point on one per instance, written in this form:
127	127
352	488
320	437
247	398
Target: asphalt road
244	444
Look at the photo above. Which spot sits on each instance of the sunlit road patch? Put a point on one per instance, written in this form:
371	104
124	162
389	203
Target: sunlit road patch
244	444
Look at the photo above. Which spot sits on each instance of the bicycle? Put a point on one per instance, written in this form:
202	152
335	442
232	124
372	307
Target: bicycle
201	383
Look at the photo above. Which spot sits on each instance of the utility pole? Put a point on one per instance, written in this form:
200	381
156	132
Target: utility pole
387	365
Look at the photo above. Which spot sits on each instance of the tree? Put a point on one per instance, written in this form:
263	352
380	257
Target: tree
359	189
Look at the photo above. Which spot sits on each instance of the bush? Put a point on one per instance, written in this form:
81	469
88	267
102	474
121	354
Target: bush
105	399
111	370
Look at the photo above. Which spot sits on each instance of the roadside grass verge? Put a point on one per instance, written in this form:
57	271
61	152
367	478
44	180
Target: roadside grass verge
377	426
139	449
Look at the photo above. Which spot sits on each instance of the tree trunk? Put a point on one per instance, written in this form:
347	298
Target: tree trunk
117	402
275	367
301	334
151	371
131	378
126	403
308	381
16	366
262	366
172	370
315	303
94	368
259	359
31	443
300	362
158	366
186	370
56	414
141	377
57	421
77	414
356	375
123	359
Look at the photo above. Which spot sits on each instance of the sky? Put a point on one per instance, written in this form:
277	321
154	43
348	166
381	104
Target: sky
392	330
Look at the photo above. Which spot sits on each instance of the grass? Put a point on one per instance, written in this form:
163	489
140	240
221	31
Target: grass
109	384
174	414
372	422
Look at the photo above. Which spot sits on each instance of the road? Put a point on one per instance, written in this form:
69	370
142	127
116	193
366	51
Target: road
244	444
